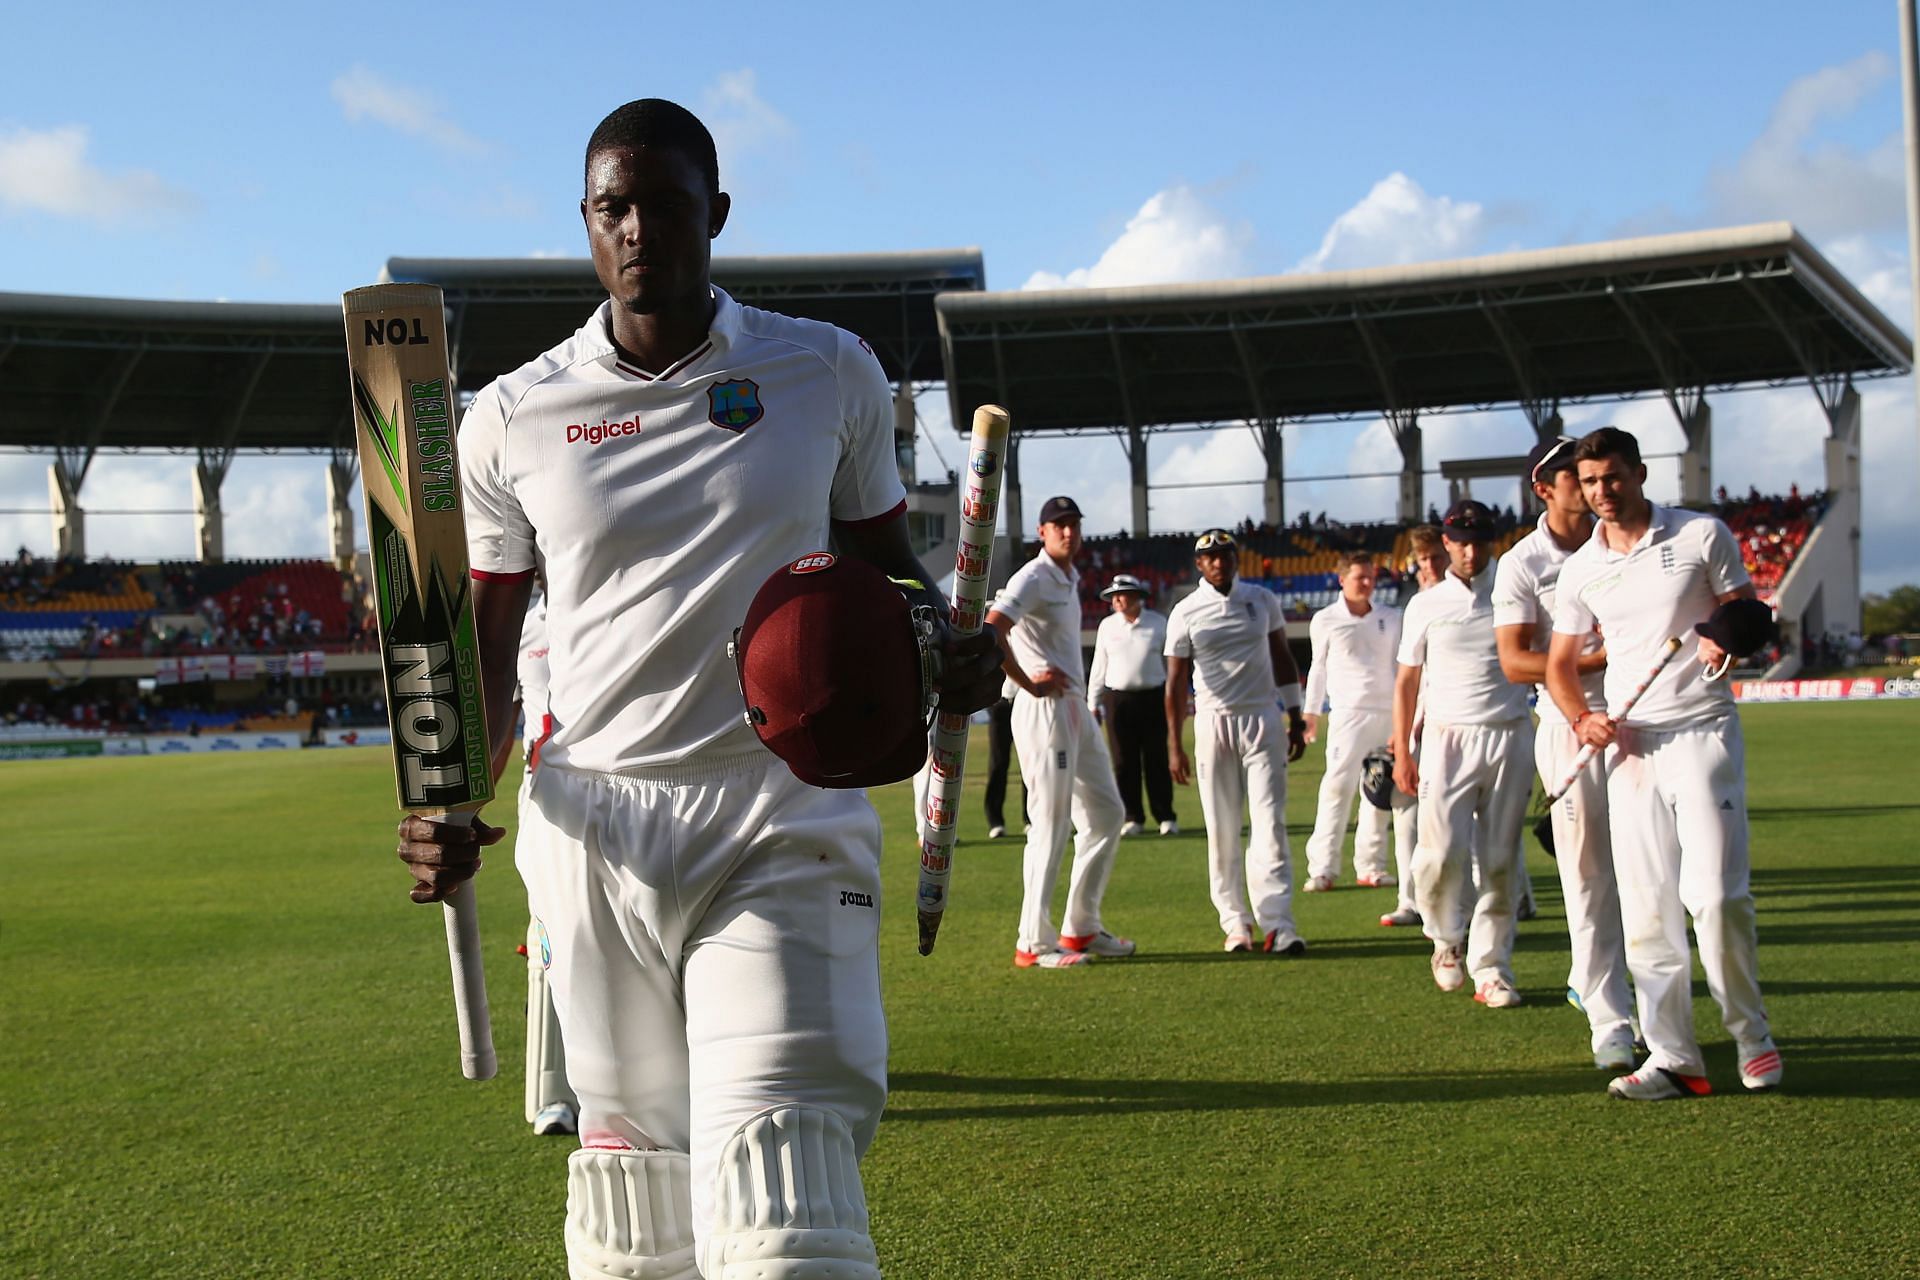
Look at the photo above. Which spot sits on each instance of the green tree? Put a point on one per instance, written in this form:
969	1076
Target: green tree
1898	610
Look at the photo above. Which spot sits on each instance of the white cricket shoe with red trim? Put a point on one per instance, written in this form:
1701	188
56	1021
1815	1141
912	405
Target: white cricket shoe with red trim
1760	1066
1655	1084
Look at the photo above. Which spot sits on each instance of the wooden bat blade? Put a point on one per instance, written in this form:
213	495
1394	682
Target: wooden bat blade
404	406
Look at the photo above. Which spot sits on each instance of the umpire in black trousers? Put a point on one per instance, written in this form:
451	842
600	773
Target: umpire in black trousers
1127	689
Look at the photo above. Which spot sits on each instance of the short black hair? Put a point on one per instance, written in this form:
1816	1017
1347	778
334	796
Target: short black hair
655	122
1608	442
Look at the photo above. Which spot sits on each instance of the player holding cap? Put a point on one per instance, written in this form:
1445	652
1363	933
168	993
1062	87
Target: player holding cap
1676	775
1523	596
1229	637
712	919
1127	688
1474	774
1063	756
1354	642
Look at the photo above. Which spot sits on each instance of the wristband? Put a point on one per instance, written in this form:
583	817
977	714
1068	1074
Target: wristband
1290	698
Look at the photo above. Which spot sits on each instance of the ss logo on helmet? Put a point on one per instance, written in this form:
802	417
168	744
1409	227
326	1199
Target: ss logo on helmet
812	564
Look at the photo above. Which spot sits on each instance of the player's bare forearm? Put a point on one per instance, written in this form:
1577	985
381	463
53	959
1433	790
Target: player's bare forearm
1406	693
968	682
499	611
1563	676
1285	670
884	544
1179	672
1518	661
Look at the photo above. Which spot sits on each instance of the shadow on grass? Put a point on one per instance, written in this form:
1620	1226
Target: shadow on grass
1872	904
1795	935
1878	879
1851	1066
999	1097
1829	811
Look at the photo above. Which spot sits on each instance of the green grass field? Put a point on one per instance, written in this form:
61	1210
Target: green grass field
226	1049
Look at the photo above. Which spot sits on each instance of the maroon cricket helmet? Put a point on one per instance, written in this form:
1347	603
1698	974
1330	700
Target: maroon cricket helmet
836	667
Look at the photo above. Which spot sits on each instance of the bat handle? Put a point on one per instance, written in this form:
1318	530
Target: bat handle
462	910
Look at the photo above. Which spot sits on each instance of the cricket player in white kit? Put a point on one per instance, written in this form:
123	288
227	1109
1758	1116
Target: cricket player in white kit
1523	594
1474	773
712	920
1229	637
1354	642
1063	755
1676	768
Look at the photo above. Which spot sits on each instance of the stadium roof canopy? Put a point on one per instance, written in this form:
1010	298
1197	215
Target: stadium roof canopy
505	311
1674	313
78	374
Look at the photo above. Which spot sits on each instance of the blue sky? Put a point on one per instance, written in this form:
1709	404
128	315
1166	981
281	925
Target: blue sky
209	152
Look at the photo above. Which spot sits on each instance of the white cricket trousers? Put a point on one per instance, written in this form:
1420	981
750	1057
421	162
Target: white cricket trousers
1583	854
1678	804
1475	781
1069	777
1240	758
714	934
1350	736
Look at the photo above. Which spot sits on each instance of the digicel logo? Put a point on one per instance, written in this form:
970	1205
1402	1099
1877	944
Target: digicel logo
600	433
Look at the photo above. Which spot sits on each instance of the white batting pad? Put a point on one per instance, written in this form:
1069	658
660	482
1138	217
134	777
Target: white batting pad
629	1216
788	1202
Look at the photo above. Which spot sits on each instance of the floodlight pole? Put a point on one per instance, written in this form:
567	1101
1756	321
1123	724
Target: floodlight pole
1910	111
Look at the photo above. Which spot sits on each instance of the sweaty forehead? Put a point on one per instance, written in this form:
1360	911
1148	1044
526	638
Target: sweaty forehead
624	170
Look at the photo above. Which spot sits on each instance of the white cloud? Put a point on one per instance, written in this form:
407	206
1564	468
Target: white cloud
364	94
1174	237
47	171
1828	188
1398	222
739	118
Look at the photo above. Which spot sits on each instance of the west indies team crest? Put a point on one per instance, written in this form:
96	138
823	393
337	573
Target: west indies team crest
734	404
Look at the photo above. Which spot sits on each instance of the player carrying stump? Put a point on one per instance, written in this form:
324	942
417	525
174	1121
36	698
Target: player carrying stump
1524	586
713	920
1474	771
1676	771
1229	637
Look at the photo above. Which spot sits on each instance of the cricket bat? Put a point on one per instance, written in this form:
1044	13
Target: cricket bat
973	565
403	402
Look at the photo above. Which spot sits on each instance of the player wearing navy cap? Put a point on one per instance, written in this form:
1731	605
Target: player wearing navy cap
1064	760
712	918
1676	771
1473	775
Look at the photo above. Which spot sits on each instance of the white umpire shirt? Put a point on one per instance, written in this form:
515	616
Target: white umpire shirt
1524	583
1128	656
658	502
1666	583
1352	658
1448	632
1043	599
1225	634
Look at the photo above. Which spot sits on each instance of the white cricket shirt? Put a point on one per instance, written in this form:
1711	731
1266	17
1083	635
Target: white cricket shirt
532	666
1226	637
1523	589
1352	658
1129	656
1448	632
1042	600
1670	579
658	503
